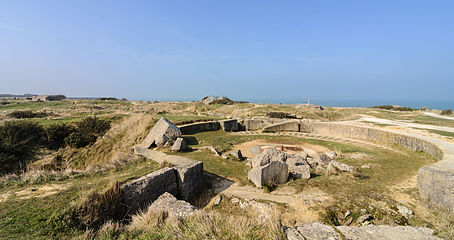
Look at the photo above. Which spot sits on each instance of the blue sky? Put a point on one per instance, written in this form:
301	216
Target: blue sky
283	50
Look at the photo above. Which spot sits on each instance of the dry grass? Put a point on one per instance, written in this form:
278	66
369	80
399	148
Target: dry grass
114	148
37	177
97	208
203	225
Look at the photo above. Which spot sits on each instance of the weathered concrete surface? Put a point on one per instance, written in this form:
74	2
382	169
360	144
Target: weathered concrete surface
435	182
318	231
190	180
270	174
174	207
141	192
289	126
189	172
163	132
180	145
253	124
385	232
193	128
229	125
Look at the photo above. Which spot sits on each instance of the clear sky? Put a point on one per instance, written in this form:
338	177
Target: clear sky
241	49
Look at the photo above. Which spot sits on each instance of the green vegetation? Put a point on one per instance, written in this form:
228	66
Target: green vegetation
19	140
394	108
280	115
446	112
28	114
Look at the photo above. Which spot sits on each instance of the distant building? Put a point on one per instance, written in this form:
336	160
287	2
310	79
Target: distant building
43	98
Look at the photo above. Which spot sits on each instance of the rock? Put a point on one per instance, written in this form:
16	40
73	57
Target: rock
302	154
298	167
405	212
385	232
210	148
217	201
269	155
167	202
349	221
311	153
180	145
347	213
317	231
293	234
208	100
366	166
342	167
237	154
326	157
313	162
364	218
270	174
164	132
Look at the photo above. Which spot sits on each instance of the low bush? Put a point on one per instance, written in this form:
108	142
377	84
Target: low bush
394	108
446	112
280	115
27	114
56	134
87	132
18	142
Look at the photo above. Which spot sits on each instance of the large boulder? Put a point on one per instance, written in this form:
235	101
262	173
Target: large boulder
338	166
164	132
269	155
168	203
271	174
298	167
180	145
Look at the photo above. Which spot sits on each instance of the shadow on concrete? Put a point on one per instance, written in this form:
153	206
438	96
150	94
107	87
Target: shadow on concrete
214	184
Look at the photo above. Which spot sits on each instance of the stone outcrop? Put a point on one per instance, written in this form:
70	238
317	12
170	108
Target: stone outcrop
164	132
174	207
316	231
269	174
180	145
141	192
194	128
289	126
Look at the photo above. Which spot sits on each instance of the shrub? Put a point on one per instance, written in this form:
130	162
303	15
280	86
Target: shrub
93	125
56	134
18	143
446	112
87	132
79	139
27	114
280	115
108	98
395	108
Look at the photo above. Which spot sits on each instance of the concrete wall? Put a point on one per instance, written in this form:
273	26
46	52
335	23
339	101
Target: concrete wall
435	182
200	127
229	125
289	126
141	192
372	134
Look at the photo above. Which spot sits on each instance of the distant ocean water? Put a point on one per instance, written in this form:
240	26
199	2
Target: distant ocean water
432	104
